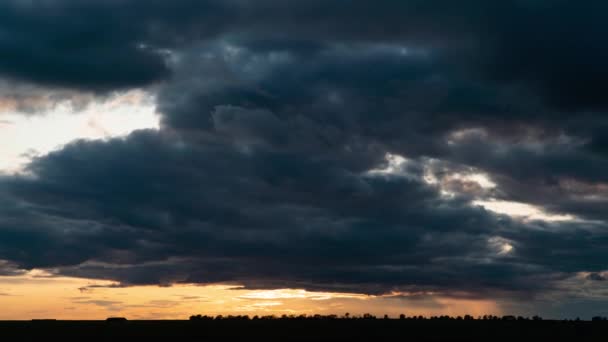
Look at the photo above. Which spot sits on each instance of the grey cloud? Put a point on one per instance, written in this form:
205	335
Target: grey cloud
272	115
108	304
265	218
114	44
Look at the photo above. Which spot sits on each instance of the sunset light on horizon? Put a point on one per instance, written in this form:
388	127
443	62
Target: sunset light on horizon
433	161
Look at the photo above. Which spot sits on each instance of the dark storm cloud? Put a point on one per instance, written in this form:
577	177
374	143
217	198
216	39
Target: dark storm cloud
273	114
265	218
553	48
95	45
407	102
259	216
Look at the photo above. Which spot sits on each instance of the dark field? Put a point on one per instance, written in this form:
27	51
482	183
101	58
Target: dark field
306	330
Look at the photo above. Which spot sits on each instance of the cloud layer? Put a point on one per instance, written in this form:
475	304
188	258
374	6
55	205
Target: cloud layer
273	168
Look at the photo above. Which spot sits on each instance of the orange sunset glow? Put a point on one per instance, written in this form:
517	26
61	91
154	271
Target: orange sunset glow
37	295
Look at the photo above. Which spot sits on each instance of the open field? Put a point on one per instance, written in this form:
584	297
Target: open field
307	330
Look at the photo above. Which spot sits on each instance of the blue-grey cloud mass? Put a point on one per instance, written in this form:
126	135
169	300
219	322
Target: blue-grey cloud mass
275	115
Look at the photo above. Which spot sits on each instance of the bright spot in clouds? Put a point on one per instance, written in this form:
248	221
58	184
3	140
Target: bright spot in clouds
299	293
397	165
522	210
23	135
481	179
394	166
501	245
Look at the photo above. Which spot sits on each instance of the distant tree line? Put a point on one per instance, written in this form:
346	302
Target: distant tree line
368	316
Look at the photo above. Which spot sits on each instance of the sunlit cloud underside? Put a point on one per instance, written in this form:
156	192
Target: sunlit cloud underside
396	165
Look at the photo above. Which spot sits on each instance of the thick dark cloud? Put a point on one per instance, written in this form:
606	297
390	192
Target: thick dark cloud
236	211
95	45
154	208
406	102
274	116
554	47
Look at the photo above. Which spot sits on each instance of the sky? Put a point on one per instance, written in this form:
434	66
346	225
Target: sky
166	158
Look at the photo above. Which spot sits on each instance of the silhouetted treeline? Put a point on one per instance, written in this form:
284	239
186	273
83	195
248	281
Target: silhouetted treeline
308	328
116	319
367	316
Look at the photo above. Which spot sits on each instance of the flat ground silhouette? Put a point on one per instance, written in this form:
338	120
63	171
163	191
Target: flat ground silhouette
308	330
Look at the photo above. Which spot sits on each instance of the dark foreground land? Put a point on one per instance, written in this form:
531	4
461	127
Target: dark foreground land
305	330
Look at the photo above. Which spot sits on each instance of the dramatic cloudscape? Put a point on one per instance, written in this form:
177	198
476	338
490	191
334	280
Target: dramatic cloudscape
166	158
